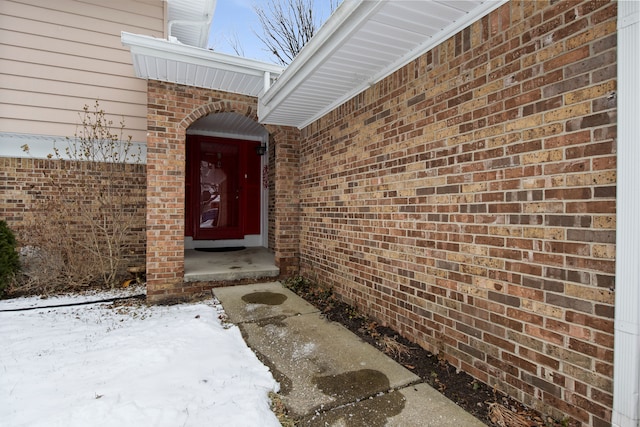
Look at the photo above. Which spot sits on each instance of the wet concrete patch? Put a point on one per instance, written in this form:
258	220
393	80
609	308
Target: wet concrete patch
417	405
372	412
234	301
349	386
267	298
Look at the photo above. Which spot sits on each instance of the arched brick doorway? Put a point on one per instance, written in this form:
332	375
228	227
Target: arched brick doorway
172	109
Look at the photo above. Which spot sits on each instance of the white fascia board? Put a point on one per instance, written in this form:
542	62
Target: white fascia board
23	145
350	16
423	48
322	45
163	49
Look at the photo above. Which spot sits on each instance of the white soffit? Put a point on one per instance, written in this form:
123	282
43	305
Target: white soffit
361	43
162	60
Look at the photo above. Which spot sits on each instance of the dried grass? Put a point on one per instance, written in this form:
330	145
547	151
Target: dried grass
392	347
278	407
503	417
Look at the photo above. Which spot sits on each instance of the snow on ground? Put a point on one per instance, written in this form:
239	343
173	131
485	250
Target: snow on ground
127	365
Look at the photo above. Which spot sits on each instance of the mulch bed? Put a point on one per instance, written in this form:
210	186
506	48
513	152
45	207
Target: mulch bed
485	403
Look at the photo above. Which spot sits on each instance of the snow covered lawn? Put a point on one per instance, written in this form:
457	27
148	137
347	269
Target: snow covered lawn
127	365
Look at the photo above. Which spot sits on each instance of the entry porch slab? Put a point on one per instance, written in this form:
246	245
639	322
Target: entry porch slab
231	265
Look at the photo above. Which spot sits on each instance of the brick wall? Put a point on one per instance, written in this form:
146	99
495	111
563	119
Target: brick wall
26	183
172	108
468	201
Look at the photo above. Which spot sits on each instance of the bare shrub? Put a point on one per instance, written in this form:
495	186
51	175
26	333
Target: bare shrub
81	232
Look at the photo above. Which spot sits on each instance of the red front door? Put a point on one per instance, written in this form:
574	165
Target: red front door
223	188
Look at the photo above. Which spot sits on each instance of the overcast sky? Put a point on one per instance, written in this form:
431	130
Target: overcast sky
238	17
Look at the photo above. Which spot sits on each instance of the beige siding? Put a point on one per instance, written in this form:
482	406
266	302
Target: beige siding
57	56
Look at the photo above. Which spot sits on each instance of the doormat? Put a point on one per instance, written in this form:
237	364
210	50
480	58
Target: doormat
224	249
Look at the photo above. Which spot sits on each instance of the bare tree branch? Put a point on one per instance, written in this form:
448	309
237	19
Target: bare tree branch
287	26
234	41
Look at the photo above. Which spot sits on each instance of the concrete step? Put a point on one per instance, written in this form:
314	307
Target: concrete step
248	263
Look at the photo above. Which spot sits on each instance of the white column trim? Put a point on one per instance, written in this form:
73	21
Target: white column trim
626	377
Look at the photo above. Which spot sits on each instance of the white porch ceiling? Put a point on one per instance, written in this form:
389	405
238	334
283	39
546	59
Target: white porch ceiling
229	125
361	43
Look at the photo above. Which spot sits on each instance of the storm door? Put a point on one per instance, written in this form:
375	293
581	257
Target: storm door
223	188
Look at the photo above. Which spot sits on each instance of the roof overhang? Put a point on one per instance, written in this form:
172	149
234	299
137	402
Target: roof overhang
361	43
168	61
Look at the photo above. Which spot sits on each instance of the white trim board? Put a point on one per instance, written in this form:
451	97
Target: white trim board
42	146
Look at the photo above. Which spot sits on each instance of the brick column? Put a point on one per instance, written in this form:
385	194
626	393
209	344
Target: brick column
284	198
165	192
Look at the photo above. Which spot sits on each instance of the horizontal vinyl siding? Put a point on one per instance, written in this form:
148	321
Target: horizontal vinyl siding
57	56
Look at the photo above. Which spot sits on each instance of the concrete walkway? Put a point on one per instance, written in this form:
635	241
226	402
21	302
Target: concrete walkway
328	376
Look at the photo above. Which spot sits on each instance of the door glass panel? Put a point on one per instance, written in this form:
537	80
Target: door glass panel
224	184
219	190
